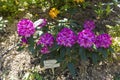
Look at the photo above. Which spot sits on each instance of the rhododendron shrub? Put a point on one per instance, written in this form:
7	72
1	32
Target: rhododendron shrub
65	43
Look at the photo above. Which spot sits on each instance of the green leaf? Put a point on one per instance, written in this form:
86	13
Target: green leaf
62	52
105	55
55	47
108	10
82	54
31	45
72	11
31	41
20	48
31	49
94	58
38	47
68	51
111	49
59	60
66	6
43	57
64	64
37	76
104	52
71	68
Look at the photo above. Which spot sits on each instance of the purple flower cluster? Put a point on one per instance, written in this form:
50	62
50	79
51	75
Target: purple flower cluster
25	28
89	24
103	40
45	50
46	40
24	40
66	37
86	38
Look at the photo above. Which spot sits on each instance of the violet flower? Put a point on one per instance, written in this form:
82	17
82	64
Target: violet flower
46	40
45	50
86	38
25	28
89	24
103	40
66	37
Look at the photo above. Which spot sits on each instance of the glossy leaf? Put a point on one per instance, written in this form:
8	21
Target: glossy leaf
94	58
111	49
31	44
103	52
71	69
55	47
68	51
62	52
82	54
31	41
60	60
37	48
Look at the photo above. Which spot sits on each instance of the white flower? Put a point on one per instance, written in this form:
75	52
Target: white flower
38	22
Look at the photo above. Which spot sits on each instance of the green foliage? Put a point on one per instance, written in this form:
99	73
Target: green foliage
108	10
7	7
82	54
32	76
95	57
31	46
102	11
71	68
117	77
85	4
20	48
11	8
116	44
114	31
